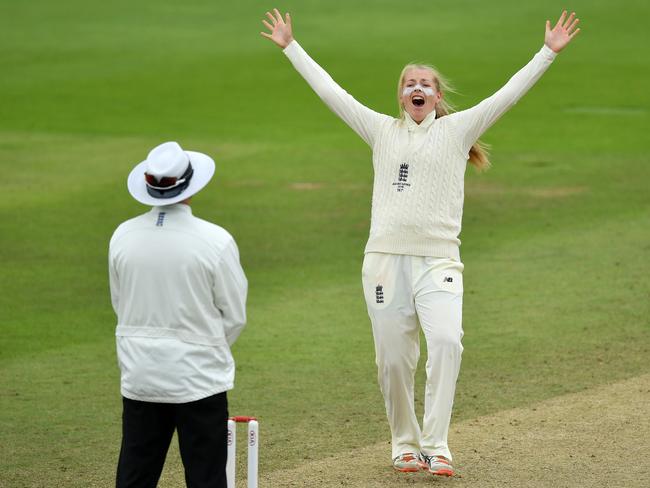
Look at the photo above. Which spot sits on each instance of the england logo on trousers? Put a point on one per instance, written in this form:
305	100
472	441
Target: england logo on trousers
379	294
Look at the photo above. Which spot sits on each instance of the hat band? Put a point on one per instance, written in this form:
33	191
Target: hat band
173	191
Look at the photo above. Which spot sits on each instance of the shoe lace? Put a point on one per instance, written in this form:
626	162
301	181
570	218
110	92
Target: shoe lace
434	457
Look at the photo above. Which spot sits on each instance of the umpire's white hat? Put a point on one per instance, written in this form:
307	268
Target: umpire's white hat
169	175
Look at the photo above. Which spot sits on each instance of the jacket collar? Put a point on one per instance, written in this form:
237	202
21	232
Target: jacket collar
425	124
177	207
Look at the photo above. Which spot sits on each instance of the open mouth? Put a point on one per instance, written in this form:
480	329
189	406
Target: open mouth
417	100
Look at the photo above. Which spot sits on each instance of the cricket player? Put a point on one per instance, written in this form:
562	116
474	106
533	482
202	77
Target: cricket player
412	272
179	293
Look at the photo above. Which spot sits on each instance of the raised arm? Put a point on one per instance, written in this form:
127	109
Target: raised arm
473	122
364	121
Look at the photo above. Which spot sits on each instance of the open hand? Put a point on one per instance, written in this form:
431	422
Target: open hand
281	32
563	32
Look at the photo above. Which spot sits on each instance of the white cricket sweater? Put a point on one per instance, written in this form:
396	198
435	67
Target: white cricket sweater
418	190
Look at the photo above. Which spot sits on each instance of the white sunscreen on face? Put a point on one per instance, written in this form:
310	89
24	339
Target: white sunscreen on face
410	89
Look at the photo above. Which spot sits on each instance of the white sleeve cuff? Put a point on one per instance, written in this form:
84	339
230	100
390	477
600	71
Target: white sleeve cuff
292	46
547	52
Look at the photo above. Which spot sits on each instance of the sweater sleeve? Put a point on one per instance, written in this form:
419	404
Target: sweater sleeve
361	119
473	122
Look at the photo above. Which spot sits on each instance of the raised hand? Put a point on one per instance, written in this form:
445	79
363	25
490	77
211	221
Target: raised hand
281	32
563	32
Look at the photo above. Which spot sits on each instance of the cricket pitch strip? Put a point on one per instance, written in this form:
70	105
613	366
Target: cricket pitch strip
594	438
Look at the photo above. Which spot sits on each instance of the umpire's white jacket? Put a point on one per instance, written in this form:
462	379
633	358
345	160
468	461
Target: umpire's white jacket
179	293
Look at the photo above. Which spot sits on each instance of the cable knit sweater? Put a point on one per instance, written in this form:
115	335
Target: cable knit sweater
417	199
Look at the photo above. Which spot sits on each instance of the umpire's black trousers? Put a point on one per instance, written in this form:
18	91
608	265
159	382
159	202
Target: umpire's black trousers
147	430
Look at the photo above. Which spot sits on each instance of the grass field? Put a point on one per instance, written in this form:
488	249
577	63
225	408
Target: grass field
556	237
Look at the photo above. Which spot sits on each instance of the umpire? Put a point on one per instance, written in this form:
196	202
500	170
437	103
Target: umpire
179	293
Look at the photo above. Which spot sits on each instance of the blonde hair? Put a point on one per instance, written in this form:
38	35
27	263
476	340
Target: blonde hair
478	154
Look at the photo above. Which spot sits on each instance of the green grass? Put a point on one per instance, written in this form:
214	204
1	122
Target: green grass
556	238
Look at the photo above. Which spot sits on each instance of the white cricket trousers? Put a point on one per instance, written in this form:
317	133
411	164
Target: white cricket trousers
401	293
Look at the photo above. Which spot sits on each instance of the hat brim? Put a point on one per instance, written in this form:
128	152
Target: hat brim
203	166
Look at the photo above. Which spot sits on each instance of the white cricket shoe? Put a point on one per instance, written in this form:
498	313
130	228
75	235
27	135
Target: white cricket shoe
408	462
438	465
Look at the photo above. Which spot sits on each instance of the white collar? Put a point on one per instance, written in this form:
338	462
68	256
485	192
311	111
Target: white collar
428	120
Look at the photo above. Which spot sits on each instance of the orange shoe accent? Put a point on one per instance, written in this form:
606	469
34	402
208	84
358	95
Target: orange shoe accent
442	472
